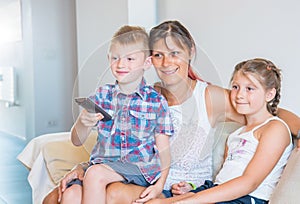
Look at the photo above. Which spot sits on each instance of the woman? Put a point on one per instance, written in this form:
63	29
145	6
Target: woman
195	108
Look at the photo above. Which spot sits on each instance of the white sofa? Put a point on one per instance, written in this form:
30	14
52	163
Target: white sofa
48	157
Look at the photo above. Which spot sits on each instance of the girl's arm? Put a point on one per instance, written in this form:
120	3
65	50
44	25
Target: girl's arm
163	146
273	139
83	126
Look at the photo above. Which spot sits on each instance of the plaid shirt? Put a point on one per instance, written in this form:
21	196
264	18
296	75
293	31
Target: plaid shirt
130	135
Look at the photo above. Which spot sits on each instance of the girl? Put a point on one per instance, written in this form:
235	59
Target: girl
256	153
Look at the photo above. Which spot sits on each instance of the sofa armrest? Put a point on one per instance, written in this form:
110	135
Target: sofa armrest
61	156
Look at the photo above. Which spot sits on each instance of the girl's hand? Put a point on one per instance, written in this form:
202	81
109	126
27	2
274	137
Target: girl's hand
76	173
148	194
181	188
89	119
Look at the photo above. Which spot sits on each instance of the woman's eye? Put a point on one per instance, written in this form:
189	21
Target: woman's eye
114	58
157	55
250	89
130	58
174	53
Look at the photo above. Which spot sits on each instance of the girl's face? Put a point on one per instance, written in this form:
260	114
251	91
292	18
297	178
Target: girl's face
248	96
127	63
170	61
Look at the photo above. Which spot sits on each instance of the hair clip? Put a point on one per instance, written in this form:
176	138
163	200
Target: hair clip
269	68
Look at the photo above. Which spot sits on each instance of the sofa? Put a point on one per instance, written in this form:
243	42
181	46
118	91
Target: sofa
49	157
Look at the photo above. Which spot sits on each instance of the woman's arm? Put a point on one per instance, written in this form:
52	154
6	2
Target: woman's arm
219	107
291	119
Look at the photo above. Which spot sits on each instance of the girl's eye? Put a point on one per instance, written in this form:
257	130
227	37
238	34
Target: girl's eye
235	87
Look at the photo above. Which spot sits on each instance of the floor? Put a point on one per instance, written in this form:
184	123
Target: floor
14	187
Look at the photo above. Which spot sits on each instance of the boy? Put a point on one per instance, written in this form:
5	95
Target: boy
133	147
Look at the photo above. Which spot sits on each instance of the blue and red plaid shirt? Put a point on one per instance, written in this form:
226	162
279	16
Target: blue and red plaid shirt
130	135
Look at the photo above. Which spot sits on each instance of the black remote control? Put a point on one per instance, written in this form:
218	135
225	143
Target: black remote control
92	107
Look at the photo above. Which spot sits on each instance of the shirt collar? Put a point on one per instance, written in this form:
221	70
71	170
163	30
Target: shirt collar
140	91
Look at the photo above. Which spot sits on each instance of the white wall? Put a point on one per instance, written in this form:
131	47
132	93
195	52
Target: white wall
233	30
226	32
46	64
97	21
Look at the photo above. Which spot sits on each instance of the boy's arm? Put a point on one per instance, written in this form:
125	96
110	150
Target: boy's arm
163	146
83	126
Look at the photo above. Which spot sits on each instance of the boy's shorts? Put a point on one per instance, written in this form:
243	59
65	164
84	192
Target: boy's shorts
130	172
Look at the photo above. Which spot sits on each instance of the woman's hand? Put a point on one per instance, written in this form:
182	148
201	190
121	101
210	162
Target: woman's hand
76	173
181	188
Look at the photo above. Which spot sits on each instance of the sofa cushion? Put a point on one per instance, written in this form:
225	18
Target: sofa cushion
61	156
288	188
221	132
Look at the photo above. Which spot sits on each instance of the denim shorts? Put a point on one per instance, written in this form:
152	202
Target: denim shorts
242	200
130	172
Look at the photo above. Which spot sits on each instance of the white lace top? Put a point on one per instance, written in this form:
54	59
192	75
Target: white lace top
191	150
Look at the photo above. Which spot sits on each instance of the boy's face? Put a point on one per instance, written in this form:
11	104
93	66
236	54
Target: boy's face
128	62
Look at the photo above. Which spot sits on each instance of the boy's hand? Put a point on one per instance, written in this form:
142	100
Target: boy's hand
89	119
181	188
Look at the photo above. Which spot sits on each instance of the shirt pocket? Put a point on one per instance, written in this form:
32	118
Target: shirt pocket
142	123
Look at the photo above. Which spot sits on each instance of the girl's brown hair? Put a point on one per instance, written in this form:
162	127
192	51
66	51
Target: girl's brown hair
267	74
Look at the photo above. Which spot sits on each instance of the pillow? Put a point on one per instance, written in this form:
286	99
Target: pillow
221	132
288	187
61	156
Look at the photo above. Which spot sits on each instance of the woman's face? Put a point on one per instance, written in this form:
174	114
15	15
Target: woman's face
170	61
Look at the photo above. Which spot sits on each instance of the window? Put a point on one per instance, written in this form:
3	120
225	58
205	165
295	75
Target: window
10	21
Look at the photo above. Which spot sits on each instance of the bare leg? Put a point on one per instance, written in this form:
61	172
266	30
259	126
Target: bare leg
52	197
72	195
97	177
170	200
120	193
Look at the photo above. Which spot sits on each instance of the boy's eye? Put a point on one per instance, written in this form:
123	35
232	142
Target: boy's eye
114	58
130	58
